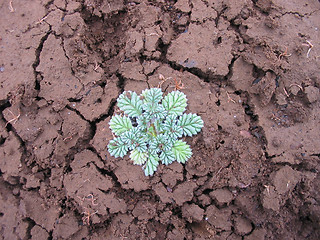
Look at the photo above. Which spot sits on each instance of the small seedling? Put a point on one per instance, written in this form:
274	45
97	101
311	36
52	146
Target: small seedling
150	128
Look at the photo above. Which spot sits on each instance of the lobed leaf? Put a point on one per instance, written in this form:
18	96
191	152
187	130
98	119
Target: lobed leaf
132	106
119	124
138	158
175	103
182	151
171	128
153	95
142	121
117	147
135	139
151	164
155	111
160	143
167	157
158	125
190	123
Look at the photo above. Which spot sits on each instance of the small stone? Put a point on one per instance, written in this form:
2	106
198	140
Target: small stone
245	134
294	89
32	182
204	200
38	232
257	234
183	5
15	191
222	196
66	226
184	192
192	212
219	218
242	226
35	169
270	199
312	94
281	99
150	66
276	142
286	179
144	210
42	103
156	54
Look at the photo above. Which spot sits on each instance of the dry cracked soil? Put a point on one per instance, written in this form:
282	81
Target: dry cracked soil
250	69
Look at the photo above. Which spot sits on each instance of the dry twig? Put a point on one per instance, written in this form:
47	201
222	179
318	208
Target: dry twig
66	138
294	84
14	119
268	188
162	80
310	45
229	98
96	67
87	216
153	34
11	7
178	85
90	196
42	19
285	92
284	54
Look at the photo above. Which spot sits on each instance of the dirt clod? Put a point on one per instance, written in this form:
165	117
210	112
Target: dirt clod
312	93
242	226
222	196
192	212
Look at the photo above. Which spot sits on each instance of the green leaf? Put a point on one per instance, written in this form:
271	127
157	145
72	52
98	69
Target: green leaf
151	164
135	139
130	103
190	123
160	143
151	127
153	95
151	106
181	151
119	124
117	147
151	131
167	157
142	121
175	103
171	128
158	125
138	158
155	111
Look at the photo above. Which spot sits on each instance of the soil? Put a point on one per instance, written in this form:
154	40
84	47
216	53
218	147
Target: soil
249	68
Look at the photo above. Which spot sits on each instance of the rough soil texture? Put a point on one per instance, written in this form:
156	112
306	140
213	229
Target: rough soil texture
251	70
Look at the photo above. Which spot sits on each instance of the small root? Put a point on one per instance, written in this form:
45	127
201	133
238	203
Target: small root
14	119
229	98
310	45
87	216
11	7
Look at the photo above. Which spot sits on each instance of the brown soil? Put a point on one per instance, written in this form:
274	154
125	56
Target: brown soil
249	68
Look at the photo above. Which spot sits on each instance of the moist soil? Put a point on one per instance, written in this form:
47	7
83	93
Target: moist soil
249	68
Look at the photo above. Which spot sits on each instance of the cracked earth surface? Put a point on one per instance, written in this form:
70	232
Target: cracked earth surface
251	70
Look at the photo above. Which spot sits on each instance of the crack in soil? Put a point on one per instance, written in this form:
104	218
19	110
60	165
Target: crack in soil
82	143
37	75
